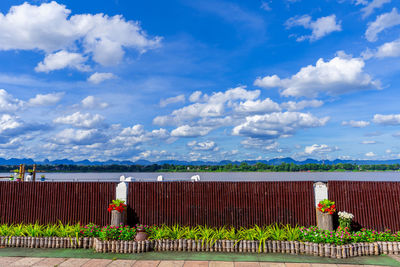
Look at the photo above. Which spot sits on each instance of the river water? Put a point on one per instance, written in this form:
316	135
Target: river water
222	176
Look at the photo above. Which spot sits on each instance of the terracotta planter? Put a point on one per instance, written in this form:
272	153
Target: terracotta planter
141	234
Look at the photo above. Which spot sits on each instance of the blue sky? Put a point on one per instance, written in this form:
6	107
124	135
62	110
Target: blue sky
199	80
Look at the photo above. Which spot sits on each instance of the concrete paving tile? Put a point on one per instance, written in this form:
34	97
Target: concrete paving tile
121	263
49	262
348	265
247	264
171	264
272	264
7	261
195	264
323	265
27	261
291	264
97	263
74	262
221	264
146	263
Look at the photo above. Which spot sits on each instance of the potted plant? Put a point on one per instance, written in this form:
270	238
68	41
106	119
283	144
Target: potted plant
345	219
42	178
117	208
326	208
141	233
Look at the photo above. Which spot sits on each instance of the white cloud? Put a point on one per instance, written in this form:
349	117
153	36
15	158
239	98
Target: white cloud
340	75
389	49
297	106
210	106
257	106
368	142
8	103
391	119
320	27
382	22
265	6
172	100
203	146
374	4
356	124
195	96
90	102
78	137
370	154
61	60
78	119
277	124
45	100
49	27
190	131
99	77
320	149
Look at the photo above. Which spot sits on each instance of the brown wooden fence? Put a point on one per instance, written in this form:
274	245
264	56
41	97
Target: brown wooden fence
221	203
47	202
375	205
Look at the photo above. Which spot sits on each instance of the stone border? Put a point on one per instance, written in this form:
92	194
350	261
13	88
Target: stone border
241	246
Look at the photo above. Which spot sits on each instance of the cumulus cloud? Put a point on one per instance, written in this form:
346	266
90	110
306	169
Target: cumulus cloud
91	102
61	60
203	146
390	119
190	131
79	137
382	22
257	106
374	4
389	49
172	100
342	74
8	103
370	154
45	99
277	124
136	135
12	126
320	27
84	120
99	77
208	107
102	37
320	149
297	106
356	124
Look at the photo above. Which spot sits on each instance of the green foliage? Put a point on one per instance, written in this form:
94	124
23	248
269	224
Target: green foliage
208	235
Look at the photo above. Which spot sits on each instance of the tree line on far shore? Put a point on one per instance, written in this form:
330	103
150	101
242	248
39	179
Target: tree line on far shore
242	167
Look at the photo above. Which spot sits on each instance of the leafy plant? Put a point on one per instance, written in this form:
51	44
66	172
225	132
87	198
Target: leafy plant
327	206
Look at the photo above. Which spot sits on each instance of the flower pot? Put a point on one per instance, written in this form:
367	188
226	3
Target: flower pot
324	221
118	218
141	234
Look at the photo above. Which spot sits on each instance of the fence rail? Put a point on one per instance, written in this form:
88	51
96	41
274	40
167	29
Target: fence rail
221	203
375	205
49	202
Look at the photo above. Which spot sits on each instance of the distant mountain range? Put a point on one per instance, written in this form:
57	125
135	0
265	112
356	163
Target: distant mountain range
275	161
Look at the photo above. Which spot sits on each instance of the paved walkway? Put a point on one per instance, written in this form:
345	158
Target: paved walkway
75	262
